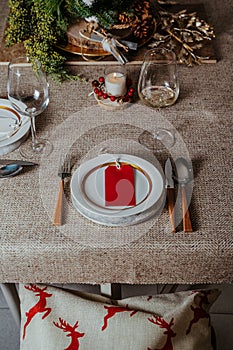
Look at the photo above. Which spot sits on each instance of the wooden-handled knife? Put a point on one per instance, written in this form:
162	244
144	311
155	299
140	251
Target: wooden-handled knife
170	193
184	175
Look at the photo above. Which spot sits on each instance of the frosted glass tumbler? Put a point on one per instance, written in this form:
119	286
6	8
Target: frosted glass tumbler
158	84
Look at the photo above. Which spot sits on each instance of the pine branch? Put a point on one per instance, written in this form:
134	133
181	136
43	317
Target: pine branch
77	8
50	6
104	10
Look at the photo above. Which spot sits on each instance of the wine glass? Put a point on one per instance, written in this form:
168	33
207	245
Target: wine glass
158	84
28	92
165	136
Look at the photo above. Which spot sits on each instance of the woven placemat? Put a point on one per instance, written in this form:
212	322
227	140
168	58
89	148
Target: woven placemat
87	252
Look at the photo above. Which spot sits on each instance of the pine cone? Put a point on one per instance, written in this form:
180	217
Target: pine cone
125	18
142	21
142	30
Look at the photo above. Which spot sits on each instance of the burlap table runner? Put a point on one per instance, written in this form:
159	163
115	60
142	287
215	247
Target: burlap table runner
32	250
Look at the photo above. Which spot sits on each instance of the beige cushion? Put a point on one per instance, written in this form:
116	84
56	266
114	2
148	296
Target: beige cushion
54	318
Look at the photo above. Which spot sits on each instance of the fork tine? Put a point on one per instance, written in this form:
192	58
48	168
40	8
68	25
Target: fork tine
64	166
67	163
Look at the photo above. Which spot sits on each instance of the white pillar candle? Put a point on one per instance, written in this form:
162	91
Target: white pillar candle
115	84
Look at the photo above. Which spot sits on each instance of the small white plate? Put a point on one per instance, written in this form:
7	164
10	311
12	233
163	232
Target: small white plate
87	187
111	105
13	127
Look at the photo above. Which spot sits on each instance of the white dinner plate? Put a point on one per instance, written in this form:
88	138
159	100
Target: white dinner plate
13	127
88	189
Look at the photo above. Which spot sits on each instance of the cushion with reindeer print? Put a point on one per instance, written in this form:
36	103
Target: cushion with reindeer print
56	319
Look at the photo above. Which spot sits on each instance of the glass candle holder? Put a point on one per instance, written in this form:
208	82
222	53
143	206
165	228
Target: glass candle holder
115	81
158	84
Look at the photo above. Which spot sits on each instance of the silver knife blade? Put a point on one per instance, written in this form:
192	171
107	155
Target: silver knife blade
168	174
19	162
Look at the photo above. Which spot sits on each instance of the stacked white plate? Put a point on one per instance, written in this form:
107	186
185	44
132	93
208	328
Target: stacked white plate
14	127
88	191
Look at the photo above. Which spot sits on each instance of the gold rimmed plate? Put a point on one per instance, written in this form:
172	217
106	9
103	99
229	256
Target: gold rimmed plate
10	122
88	188
82	51
13	127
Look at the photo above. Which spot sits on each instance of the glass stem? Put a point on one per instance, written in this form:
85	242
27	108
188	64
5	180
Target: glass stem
33	131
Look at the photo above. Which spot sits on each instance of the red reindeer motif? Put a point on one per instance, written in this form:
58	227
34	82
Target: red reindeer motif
112	311
39	307
199	312
169	332
66	327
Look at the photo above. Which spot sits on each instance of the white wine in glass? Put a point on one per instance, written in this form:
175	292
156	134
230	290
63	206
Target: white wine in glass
28	92
158	84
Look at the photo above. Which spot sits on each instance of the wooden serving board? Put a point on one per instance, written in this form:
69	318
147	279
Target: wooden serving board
75	58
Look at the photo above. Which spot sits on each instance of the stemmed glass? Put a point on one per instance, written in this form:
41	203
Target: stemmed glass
28	92
165	137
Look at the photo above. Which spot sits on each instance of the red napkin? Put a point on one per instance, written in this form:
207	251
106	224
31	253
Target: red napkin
119	186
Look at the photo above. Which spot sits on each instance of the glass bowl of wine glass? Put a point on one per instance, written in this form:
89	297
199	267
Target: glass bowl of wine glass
28	92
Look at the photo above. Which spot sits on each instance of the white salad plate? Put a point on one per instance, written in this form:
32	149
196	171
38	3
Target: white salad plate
88	190
14	127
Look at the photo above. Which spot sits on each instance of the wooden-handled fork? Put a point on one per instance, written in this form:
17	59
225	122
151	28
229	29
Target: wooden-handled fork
63	172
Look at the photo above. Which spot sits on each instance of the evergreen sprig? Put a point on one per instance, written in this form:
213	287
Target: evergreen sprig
40	31
42	24
19	25
78	9
104	10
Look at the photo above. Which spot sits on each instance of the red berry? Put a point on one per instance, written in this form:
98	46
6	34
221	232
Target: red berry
112	98
95	83
130	94
131	90
100	93
101	79
96	91
125	98
105	96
